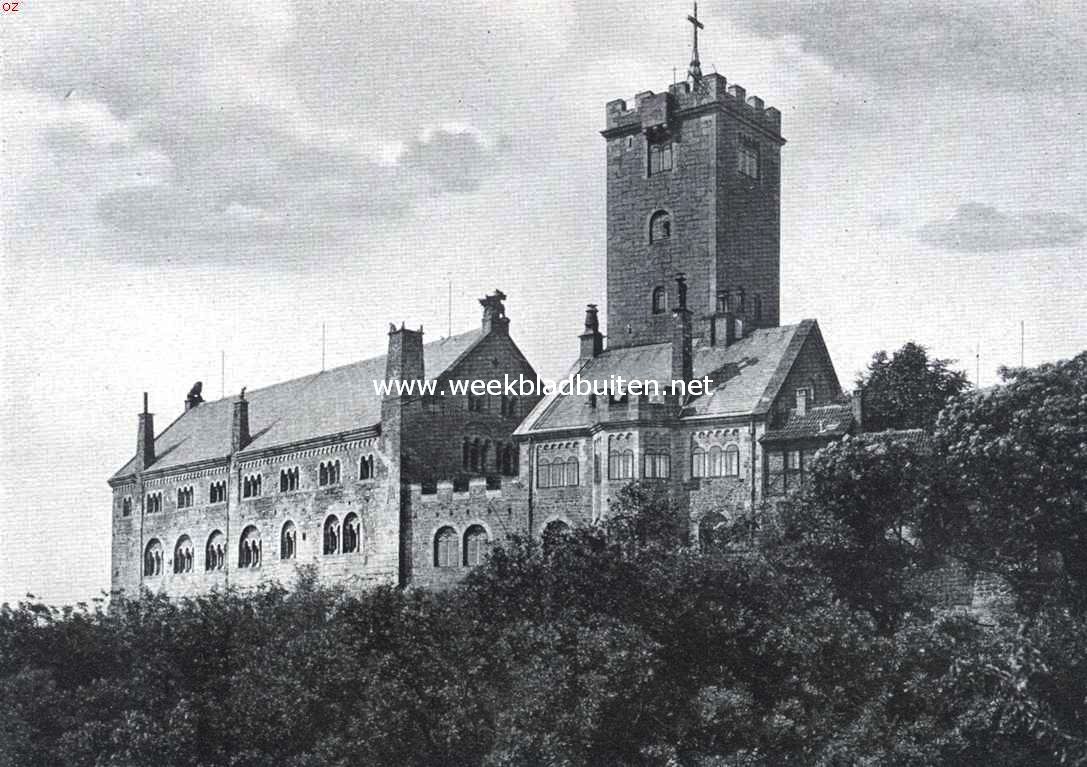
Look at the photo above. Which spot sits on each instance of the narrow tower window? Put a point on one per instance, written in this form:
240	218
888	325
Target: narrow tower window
660	300
660	226
660	157
747	159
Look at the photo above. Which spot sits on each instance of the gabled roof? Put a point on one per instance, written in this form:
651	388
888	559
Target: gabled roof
747	376
825	421
318	405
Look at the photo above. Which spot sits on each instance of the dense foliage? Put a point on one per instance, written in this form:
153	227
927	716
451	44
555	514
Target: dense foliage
908	389
802	640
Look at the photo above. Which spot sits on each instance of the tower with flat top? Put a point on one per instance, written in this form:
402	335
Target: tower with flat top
693	187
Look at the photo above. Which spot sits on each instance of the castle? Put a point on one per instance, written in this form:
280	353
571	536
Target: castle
411	489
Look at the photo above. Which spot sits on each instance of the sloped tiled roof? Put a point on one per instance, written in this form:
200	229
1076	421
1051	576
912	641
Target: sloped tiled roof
824	421
917	438
747	376
318	405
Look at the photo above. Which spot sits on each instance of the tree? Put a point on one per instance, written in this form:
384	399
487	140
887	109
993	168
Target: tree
907	390
1015	495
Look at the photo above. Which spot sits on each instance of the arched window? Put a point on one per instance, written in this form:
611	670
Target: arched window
660	226
215	552
288	541
475	545
474	459
366	467
698	462
445	548
183	555
656	464
288	479
732	461
711	532
249	547
152	558
554	534
331	536
660	300
352	534
558	473
572	471
621	464
716	465
543	473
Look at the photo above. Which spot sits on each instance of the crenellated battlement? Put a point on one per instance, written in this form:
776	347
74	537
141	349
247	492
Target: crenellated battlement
478	487
655	108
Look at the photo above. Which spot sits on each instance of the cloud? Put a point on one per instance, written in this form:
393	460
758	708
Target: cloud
977	228
1007	45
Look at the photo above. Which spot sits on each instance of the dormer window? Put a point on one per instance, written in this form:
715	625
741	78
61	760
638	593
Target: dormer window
660	226
660	300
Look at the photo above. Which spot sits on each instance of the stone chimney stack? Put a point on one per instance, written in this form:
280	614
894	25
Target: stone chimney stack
858	410
724	321
592	342
145	438
494	313
239	429
405	357
682	360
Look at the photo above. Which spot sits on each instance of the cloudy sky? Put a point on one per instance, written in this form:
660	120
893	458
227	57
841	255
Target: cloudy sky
183	180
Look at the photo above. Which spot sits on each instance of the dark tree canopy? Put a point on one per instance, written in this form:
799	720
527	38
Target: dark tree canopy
908	389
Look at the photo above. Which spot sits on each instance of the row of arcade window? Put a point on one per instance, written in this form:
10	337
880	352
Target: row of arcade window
662	157
558	472
337	538
715	462
328	473
451	551
480	403
659	303
251	486
184	497
479	456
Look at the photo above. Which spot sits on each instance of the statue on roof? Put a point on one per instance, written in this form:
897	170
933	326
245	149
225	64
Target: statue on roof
195	398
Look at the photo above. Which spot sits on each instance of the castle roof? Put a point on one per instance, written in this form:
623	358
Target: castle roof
311	407
746	375
822	422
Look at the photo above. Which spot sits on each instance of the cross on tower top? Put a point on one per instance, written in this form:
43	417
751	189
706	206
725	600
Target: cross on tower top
694	71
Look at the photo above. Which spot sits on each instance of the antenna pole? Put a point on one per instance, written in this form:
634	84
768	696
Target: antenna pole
977	363
322	346
222	374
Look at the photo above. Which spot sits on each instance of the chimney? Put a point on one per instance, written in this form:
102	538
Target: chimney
194	397
145	438
405	358
239	429
724	323
858	411
802	401
494	313
682	363
592	342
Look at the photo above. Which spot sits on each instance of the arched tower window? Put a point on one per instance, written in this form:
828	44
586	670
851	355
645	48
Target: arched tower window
660	226
288	541
732	461
152	558
249	548
660	300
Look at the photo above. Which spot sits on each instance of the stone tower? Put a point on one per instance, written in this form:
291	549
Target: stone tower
694	188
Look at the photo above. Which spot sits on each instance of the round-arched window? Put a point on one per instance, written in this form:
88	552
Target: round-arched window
660	226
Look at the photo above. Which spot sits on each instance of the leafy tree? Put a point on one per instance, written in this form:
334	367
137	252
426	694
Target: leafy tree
908	389
1016	480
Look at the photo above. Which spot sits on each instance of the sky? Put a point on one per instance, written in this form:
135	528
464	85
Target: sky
183	183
